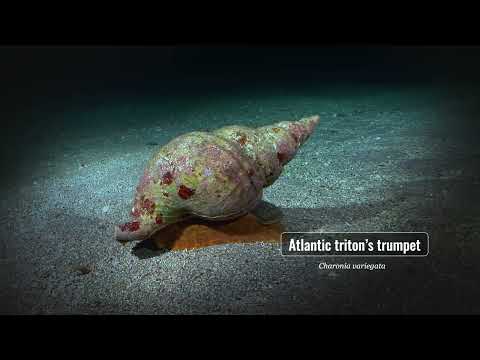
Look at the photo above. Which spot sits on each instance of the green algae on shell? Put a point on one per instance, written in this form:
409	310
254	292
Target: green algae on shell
215	175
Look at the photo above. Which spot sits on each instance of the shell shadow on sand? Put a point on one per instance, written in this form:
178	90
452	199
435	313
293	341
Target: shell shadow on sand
198	233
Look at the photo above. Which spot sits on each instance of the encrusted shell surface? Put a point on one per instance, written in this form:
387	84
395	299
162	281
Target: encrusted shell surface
218	175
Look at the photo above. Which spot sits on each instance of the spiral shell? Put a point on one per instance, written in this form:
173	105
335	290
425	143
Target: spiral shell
214	175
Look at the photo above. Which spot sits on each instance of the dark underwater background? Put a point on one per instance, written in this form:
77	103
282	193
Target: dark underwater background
396	150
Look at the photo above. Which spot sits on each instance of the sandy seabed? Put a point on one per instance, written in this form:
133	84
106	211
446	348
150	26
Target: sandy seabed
382	159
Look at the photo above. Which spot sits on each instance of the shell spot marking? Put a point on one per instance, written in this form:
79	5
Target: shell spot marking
167	178
242	140
148	205
185	192
135	212
130	226
282	158
295	137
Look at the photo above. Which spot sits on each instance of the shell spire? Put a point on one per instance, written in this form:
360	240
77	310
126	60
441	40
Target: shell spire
271	147
213	175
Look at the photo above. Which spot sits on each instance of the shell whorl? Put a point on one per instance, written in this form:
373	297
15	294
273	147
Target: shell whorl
271	147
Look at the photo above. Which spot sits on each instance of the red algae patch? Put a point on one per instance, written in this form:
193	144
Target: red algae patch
167	178
130	226
185	192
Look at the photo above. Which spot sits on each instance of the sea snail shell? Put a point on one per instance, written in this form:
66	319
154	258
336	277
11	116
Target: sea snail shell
213	175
